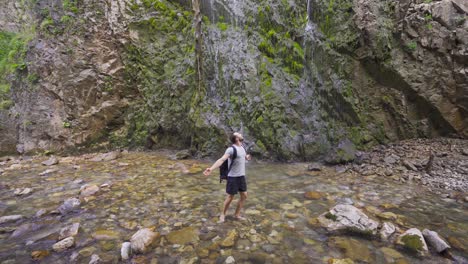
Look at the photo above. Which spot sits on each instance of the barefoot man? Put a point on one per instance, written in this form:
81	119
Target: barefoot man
236	177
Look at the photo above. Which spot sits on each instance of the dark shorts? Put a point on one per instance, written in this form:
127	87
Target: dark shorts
236	184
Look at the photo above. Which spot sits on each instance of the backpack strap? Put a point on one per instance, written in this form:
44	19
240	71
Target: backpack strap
234	156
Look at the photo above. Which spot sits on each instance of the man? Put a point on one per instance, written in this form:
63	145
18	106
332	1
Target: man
236	176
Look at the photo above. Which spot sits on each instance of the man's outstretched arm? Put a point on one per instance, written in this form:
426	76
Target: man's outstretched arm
216	165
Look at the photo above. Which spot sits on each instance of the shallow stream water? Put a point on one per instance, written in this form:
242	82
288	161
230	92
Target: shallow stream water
152	190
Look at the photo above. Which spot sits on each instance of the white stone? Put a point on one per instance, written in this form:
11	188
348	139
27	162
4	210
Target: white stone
230	260
142	239
387	230
95	259
125	250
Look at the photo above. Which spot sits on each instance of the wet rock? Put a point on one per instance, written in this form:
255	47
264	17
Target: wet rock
230	239
435	241
69	205
87	251
387	216
343	153
21	230
106	235
352	248
142	240
51	161
95	259
69	231
125	250
391	255
314	167
10	218
39	254
413	240
457	244
312	195
64	244
387	230
183	154
183	236
347	217
24	191
88	190
107	156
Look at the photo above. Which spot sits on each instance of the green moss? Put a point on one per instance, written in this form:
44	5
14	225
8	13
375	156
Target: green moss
411	46
412	242
222	26
330	216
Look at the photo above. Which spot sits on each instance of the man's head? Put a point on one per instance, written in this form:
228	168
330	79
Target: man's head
236	137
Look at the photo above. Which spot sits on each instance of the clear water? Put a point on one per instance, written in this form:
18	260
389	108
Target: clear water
155	191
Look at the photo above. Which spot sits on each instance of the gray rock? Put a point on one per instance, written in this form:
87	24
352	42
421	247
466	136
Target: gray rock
51	161
46	172
314	167
347	217
435	241
88	190
107	156
69	205
387	230
10	218
125	250
69	231
64	244
409	165
391	159
142	239
21	230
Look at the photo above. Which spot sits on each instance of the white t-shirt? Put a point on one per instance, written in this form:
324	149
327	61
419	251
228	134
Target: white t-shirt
238	168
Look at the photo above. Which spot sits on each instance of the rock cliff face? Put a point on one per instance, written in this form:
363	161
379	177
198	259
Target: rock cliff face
298	78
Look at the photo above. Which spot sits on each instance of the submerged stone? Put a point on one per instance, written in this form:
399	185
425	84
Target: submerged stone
106	235
230	239
69	205
39	254
348	217
183	236
125	250
69	231
142	239
352	248
10	218
64	244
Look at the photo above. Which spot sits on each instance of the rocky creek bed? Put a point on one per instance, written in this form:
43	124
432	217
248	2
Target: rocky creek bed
149	208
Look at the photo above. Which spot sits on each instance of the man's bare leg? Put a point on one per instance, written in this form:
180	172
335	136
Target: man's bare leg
227	202
243	197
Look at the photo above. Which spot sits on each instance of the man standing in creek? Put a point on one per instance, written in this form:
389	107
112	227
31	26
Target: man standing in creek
236	176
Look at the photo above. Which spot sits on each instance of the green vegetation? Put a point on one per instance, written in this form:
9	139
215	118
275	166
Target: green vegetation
66	124
13	49
411	46
70	5
330	216
222	26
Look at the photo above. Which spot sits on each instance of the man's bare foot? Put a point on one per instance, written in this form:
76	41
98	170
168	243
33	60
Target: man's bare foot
241	218
221	218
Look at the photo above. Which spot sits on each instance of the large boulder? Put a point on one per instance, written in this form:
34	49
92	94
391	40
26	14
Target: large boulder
343	153
413	240
142	239
345	217
435	241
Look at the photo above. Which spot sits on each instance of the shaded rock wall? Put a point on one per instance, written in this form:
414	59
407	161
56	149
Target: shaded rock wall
296	77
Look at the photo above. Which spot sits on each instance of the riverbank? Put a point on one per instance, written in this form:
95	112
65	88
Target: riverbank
84	209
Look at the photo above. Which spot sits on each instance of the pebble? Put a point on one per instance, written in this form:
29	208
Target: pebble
95	259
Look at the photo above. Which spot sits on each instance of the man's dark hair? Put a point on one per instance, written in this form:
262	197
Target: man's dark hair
233	138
